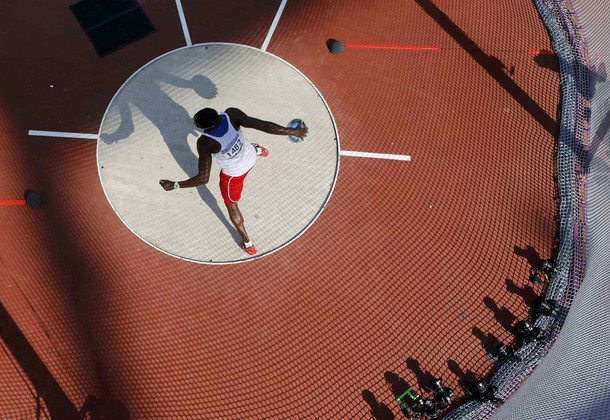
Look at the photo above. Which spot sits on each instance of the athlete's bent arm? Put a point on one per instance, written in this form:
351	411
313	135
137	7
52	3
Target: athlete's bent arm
205	166
269	127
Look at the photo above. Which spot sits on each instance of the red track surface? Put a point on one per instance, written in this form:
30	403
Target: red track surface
398	265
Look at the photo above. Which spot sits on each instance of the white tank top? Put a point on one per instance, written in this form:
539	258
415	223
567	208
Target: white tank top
237	155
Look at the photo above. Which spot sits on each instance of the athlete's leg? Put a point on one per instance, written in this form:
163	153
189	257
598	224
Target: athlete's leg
238	221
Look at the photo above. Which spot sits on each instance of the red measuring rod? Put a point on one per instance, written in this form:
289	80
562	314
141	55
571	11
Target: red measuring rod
391	47
12	202
541	52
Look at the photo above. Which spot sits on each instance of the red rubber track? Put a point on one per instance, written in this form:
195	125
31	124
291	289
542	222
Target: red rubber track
405	261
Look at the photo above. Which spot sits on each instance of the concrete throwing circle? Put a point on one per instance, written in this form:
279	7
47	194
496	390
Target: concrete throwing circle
147	135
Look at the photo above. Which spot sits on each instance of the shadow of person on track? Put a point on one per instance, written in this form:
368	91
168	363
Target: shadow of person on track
503	315
531	255
173	122
463	375
527	292
467	379
397	384
488	340
379	411
424	378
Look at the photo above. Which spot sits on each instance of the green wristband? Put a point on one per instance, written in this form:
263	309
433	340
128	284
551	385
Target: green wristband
176	185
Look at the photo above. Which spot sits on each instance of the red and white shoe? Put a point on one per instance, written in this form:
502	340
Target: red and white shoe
250	250
260	150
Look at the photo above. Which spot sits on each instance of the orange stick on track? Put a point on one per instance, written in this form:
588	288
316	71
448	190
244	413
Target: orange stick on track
12	202
540	52
391	47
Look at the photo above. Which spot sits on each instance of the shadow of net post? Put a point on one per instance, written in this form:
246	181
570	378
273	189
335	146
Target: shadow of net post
595	74
56	401
104	409
491	65
598	137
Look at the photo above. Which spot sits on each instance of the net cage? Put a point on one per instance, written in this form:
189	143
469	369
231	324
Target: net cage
559	389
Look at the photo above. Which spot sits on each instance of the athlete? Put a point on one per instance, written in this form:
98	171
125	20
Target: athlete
224	141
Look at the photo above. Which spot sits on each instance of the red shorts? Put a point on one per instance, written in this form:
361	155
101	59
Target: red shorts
231	186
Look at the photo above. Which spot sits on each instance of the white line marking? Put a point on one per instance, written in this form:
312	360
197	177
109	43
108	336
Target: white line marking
273	25
375	155
185	29
62	134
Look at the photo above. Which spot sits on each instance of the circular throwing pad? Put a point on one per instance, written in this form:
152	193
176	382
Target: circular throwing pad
147	134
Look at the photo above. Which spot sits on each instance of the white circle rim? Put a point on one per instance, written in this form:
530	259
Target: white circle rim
256	257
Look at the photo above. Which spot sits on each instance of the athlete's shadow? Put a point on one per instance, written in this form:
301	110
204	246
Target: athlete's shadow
172	120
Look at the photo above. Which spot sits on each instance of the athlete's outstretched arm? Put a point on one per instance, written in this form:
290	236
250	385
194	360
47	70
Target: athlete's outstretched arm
266	126
205	166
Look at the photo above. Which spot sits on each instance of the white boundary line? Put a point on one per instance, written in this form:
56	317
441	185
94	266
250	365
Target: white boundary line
375	155
185	29
62	134
276	19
